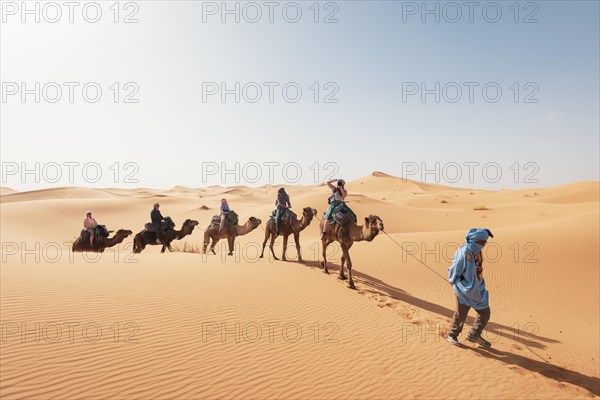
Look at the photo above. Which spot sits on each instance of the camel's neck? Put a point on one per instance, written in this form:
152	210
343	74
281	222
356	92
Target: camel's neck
110	242
359	233
182	233
243	229
300	224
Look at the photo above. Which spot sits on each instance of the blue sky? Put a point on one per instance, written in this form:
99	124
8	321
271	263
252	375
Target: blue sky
374	53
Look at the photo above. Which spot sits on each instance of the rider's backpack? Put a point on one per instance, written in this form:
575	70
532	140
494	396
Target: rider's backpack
287	213
216	220
167	224
343	214
101	231
232	217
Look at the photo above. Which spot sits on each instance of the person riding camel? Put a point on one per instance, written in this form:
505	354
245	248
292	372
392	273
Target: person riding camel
283	204
157	219
338	196
89	224
224	212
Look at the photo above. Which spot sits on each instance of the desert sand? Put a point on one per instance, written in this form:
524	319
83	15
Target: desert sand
184	325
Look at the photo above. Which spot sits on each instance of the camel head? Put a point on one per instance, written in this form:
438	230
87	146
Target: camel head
373	224
123	233
188	225
309	213
254	222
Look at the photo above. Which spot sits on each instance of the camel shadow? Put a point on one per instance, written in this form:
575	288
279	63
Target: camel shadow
523	335
378	287
559	374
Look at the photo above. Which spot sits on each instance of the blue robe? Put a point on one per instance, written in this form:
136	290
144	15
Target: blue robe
463	277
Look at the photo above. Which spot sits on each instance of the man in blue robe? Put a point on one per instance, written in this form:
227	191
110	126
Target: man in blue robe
466	276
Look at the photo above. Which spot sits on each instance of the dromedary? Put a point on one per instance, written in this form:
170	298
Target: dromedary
103	243
145	238
287	227
346	234
229	232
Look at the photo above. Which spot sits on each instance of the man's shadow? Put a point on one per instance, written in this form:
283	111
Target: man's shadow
377	286
551	371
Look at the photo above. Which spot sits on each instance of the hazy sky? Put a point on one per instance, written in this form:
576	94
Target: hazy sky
384	86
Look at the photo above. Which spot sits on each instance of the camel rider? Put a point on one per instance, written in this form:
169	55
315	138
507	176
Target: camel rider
338	195
283	204
224	211
89	224
466	276
157	219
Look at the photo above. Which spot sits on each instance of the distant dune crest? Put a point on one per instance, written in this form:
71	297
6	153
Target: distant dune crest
6	190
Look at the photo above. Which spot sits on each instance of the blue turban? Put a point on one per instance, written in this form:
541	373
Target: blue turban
474	235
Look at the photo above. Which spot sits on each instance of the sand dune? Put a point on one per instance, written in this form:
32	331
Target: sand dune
58	193
184	325
6	190
379	182
581	192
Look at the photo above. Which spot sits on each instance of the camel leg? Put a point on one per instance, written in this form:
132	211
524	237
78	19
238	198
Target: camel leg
271	247
297	240
325	242
205	243
349	261
267	235
342	276
170	248
212	246
162	250
285	241
231	241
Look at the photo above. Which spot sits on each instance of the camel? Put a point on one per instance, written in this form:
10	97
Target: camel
346	234
103	243
288	227
145	238
213	234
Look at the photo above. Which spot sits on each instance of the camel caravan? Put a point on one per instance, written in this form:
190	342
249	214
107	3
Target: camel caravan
339	224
